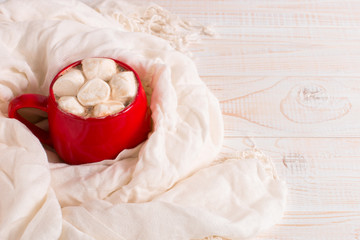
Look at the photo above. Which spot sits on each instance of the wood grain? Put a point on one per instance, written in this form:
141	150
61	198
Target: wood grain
295	106
287	76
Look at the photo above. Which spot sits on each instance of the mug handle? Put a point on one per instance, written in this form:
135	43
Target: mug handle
30	101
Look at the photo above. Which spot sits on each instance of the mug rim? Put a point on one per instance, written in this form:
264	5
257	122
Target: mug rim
123	111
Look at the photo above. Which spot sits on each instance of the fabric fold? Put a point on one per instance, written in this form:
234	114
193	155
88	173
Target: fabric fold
27	203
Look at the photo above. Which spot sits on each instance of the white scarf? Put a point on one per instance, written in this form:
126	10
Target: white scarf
174	185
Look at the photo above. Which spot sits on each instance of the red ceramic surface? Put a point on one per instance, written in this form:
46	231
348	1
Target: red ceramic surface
80	140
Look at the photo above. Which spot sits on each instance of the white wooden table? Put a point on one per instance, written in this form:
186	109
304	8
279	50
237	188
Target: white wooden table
287	74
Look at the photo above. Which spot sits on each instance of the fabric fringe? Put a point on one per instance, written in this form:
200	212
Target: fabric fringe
159	22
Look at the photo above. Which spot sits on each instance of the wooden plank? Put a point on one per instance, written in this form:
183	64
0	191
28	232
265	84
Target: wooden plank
322	174
334	11
323	179
280	59
315	226
289	106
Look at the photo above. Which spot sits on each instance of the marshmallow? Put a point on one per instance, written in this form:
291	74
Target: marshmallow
107	108
123	86
71	105
93	92
99	68
69	83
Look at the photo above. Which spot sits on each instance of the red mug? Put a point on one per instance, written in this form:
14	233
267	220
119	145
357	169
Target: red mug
79	140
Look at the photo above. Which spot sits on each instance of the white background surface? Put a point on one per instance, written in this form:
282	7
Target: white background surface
287	76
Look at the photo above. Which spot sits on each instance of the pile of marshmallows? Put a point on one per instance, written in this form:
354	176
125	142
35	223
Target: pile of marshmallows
97	88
